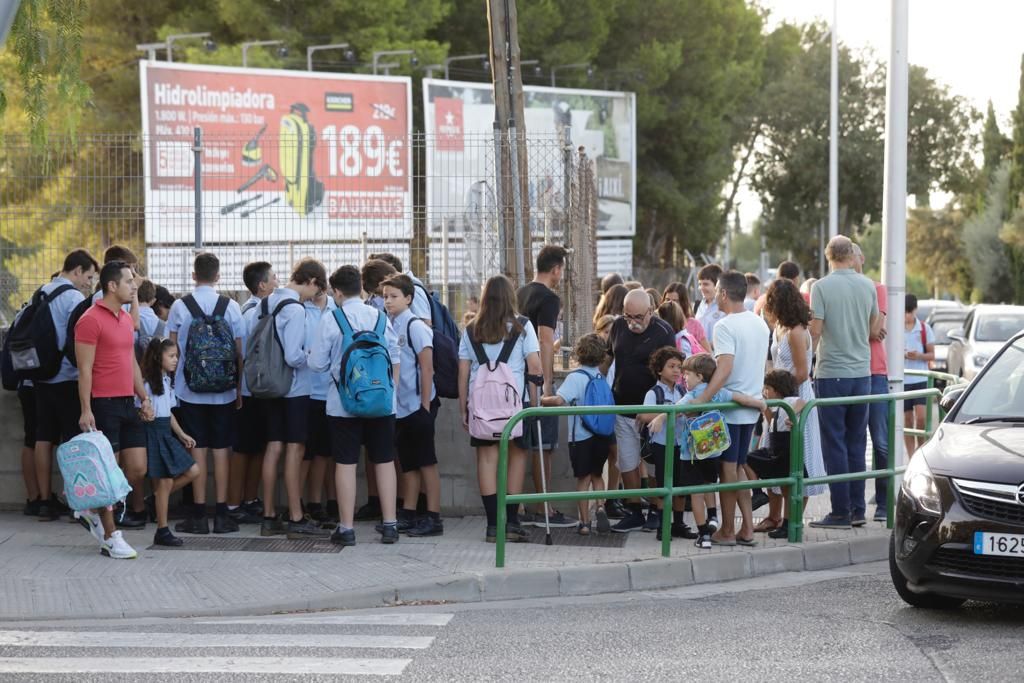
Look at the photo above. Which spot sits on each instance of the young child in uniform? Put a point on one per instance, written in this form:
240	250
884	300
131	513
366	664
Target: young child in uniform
169	464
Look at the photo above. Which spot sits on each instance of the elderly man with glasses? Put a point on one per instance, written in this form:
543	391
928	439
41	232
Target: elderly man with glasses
633	338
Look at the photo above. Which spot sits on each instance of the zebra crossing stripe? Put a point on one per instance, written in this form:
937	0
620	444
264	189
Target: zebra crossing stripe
374	619
166	640
245	665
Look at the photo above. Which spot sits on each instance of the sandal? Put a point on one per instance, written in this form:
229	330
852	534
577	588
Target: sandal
583	529
767	524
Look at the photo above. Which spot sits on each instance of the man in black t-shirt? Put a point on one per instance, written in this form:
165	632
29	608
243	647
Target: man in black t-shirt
539	302
633	338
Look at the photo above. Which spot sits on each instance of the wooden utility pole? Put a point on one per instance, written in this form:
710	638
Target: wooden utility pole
510	131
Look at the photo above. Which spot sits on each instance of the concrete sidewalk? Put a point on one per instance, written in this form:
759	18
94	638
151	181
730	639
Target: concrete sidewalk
54	570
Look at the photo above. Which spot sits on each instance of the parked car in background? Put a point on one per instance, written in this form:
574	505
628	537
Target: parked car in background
943	321
925	307
959	527
985	330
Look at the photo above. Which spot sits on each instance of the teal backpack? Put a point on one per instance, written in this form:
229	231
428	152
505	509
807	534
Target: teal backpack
92	478
365	382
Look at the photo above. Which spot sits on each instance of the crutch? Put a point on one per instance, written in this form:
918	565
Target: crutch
543	484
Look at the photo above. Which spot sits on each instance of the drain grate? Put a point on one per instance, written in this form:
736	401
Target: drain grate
562	536
255	545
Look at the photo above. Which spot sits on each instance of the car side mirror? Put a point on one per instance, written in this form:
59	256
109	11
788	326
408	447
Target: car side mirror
958	335
950	396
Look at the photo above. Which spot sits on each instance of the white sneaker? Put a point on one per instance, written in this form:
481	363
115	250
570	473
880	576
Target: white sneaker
713	523
117	548
91	521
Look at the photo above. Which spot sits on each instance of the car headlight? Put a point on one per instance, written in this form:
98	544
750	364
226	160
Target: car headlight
919	485
979	361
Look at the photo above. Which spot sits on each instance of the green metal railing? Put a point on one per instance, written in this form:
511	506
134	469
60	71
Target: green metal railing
932	377
796	481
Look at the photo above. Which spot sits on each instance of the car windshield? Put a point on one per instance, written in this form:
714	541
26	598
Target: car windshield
942	328
999	392
999	327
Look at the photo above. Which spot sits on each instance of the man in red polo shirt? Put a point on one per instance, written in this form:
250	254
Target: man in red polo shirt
109	379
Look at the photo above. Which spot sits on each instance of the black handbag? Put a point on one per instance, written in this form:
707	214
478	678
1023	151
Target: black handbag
772	462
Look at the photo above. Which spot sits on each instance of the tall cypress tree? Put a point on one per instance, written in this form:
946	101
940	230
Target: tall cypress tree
1017	152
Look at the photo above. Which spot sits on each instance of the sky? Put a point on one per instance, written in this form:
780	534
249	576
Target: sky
972	46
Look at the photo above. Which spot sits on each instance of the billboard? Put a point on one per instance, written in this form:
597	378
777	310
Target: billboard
459	120
287	156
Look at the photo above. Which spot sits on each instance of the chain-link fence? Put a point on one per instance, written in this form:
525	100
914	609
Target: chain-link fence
335	195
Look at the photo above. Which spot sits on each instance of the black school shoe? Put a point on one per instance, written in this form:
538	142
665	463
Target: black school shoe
193	525
223	524
344	538
131	520
368	512
165	538
304	530
31	508
681	531
50	510
427	526
389	534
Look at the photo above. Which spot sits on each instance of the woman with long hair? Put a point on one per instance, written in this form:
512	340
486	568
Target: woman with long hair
676	291
611	302
789	316
496	321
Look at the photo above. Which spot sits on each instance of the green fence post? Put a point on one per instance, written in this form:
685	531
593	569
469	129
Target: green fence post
928	407
502	490
890	493
668	483
796	470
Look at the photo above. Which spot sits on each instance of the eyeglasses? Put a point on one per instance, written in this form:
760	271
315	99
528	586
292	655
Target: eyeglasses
636	318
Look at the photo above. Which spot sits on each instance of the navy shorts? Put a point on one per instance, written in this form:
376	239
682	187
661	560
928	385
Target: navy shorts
287	419
658	456
589	456
57	411
212	426
698	472
349	433
318	443
740	436
27	398
548	432
414	438
251	428
909	403
119	420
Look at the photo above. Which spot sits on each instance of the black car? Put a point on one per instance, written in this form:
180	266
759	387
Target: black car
959	531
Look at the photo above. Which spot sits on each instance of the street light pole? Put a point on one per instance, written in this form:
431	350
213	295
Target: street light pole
833	130
256	43
894	207
386	53
150	49
566	67
181	36
349	55
463	58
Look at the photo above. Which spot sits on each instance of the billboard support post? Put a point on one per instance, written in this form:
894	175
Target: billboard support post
517	213
499	200
444	260
197	178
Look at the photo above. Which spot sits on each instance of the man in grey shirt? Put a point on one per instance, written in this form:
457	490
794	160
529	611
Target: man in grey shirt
846	315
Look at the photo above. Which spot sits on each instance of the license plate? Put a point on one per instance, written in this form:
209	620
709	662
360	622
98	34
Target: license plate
1007	545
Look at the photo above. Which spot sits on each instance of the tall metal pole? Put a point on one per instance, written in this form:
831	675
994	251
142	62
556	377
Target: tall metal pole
894	206
197	182
833	131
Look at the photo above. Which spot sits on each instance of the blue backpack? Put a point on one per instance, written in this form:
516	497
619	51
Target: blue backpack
211	365
365	381
597	393
446	347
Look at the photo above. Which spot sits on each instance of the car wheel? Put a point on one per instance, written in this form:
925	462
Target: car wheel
923	601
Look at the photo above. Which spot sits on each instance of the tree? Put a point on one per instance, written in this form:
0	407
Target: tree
989	266
1017	150
934	252
791	164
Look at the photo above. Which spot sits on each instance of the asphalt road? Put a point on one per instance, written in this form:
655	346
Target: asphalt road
844	625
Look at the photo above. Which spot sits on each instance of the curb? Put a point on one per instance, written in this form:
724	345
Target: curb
519	584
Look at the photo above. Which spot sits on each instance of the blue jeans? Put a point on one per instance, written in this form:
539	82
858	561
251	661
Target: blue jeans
878	425
844	436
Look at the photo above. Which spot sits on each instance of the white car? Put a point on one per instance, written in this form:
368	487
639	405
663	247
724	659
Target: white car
985	330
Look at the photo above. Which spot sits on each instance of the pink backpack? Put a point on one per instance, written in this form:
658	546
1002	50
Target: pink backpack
494	396
695	346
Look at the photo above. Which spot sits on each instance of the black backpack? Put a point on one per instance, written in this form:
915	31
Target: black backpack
69	340
31	344
446	347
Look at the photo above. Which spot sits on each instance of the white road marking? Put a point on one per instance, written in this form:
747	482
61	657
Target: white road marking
236	665
107	639
395	619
